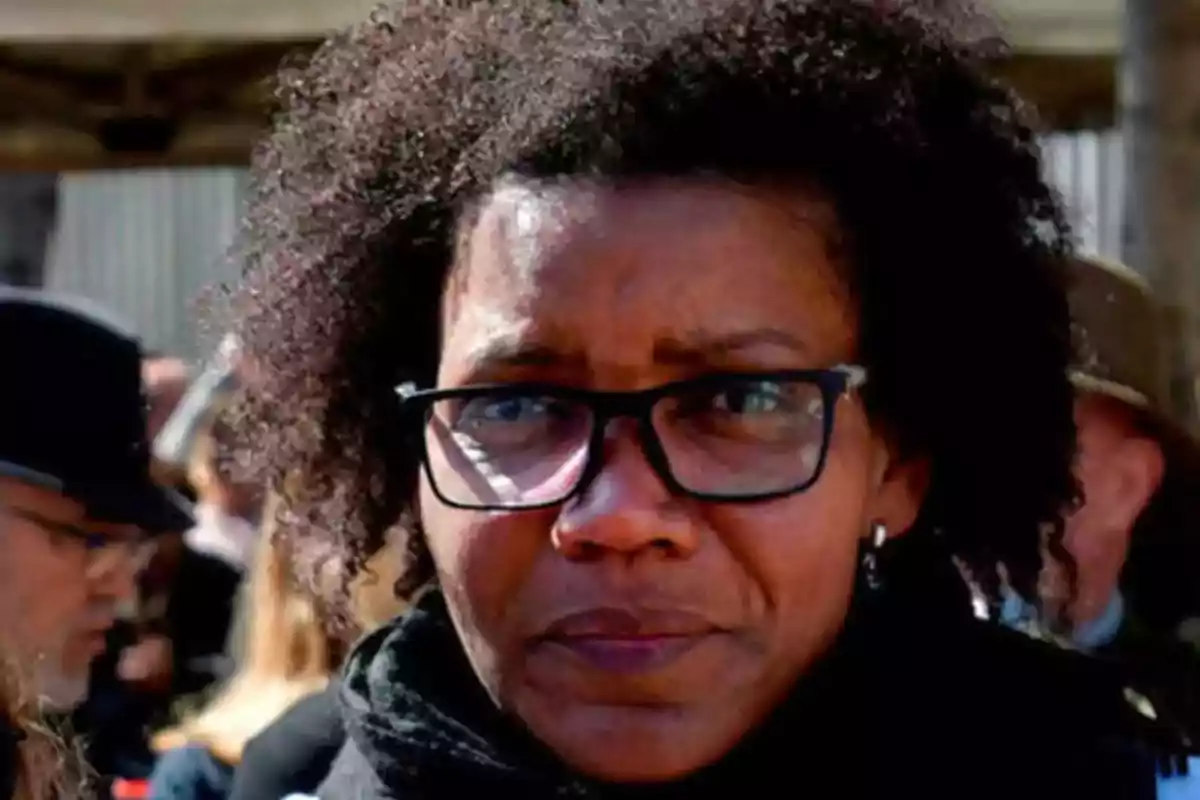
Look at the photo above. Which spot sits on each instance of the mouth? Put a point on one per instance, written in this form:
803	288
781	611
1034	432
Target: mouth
96	639
628	642
95	643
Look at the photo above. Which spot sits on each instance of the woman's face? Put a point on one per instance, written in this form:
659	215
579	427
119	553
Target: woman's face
638	633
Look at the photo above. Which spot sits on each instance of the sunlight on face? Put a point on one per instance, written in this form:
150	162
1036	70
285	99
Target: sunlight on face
719	607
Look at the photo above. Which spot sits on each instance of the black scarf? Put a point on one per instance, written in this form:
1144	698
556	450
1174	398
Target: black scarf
916	697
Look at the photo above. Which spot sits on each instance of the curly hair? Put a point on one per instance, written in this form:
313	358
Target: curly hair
392	130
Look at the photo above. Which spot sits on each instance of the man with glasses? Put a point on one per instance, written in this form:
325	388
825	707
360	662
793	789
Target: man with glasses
76	497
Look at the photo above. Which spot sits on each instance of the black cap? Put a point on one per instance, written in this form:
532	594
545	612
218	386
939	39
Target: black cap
73	413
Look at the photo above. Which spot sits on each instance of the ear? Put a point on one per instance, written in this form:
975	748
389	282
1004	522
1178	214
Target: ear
899	490
1138	466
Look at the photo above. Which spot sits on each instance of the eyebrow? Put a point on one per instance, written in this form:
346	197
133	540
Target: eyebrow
695	348
500	354
703	347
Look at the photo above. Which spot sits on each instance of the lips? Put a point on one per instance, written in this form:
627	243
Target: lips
95	643
628	641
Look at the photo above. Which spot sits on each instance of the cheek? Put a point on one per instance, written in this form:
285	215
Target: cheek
801	551
41	619
483	561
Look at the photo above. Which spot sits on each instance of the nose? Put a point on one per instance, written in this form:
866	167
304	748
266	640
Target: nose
625	510
115	577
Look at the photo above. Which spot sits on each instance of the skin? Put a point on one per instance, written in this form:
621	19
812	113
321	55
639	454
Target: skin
1119	471
56	609
543	275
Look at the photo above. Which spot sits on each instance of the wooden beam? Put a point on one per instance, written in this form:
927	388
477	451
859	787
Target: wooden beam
157	20
220	102
1035	26
34	148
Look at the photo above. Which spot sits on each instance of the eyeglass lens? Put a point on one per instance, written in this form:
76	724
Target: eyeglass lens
739	438
104	553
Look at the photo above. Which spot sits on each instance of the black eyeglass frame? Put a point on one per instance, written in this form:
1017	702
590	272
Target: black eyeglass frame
834	382
91	541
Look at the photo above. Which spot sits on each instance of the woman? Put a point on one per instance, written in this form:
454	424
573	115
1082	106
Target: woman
287	656
295	752
677	339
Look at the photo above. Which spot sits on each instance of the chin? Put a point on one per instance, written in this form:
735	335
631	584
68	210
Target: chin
635	745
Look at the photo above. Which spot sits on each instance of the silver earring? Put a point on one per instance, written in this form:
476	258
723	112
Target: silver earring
876	538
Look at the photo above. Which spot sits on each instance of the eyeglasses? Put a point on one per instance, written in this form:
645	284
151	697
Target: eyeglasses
104	552
727	437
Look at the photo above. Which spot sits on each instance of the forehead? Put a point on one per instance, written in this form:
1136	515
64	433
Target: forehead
594	268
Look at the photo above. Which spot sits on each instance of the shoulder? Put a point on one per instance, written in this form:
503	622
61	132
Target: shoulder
312	722
1075	715
294	753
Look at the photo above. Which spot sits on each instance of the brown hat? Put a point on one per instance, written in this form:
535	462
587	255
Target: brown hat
1119	335
1120	341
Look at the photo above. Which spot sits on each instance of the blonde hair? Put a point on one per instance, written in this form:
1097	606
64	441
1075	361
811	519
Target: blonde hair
286	652
207	468
286	656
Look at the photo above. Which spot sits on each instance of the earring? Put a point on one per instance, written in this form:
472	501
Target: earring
875	540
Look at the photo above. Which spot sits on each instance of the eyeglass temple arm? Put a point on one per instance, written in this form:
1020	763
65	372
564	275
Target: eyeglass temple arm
856	376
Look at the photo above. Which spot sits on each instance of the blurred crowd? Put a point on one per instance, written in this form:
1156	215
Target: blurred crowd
169	593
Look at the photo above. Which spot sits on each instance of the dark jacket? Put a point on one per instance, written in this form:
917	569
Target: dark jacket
10	758
294	754
1163	667
917	699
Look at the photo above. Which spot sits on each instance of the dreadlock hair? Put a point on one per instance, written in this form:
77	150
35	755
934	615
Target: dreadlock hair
393	130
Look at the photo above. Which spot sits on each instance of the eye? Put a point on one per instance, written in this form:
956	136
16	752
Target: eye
752	397
764	411
487	411
500	422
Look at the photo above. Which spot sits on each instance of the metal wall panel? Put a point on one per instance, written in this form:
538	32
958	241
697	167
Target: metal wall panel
146	244
1087	167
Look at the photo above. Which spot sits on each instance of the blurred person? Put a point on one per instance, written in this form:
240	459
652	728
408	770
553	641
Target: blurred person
194	579
174	441
140	657
294	753
1135	539
660	333
227	512
288	655
76	497
166	380
175	650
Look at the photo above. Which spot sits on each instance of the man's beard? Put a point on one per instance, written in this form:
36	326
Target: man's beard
56	686
58	691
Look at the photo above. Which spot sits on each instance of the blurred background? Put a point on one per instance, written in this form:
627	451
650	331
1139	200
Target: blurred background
126	125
